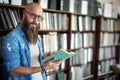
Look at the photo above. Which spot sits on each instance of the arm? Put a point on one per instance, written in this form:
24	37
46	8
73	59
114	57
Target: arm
20	71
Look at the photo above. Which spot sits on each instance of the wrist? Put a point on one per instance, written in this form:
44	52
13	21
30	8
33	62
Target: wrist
42	68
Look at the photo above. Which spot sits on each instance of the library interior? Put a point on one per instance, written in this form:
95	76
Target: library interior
90	29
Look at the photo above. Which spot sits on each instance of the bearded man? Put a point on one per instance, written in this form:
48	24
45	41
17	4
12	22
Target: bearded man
22	50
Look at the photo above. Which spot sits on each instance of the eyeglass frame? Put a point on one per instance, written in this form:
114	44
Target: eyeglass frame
33	16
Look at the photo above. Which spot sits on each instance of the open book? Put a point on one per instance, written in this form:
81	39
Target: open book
60	54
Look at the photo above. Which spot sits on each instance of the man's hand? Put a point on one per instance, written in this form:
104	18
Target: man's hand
52	64
48	54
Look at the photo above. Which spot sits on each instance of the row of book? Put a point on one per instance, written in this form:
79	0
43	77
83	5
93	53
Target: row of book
107	9
9	18
54	21
80	72
109	24
104	66
53	41
76	73
83	56
57	76
107	57
83	23
58	21
17	2
82	61
81	6
82	40
106	53
109	39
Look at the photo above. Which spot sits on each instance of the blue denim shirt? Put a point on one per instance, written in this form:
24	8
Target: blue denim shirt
16	52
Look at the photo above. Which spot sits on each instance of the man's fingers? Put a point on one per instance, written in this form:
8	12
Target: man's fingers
53	60
60	61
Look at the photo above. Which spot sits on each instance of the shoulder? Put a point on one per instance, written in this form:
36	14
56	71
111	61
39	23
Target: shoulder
9	38
15	33
12	36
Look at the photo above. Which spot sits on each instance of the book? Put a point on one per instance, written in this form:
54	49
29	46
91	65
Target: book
43	3
70	5
52	4
16	2
3	20
61	76
60	54
7	18
84	7
92	7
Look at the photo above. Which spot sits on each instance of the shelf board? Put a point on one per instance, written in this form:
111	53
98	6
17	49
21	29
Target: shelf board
84	31
88	77
82	48
47	31
79	14
12	6
107	74
114	31
3	32
56	71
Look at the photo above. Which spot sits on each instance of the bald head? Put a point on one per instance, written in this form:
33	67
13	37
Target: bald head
32	6
33	10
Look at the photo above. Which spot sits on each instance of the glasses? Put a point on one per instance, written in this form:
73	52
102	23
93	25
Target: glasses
34	16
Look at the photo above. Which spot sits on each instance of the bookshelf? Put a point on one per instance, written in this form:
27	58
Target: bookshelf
108	48
80	33
83	30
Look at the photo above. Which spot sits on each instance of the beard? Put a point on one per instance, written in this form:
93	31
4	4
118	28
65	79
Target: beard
31	31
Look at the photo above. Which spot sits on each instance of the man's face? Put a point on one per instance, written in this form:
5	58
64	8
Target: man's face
30	28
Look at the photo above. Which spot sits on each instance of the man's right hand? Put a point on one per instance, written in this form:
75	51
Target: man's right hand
52	64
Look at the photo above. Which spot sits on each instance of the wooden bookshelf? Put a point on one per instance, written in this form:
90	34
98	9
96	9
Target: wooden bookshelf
92	34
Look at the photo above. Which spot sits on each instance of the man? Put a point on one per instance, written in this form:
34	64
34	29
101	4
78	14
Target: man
22	51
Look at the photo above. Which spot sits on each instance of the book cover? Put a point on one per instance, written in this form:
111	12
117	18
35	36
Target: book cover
84	7
60	54
70	5
60	76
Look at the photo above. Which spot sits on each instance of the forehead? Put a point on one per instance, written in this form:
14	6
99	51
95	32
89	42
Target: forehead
35	9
